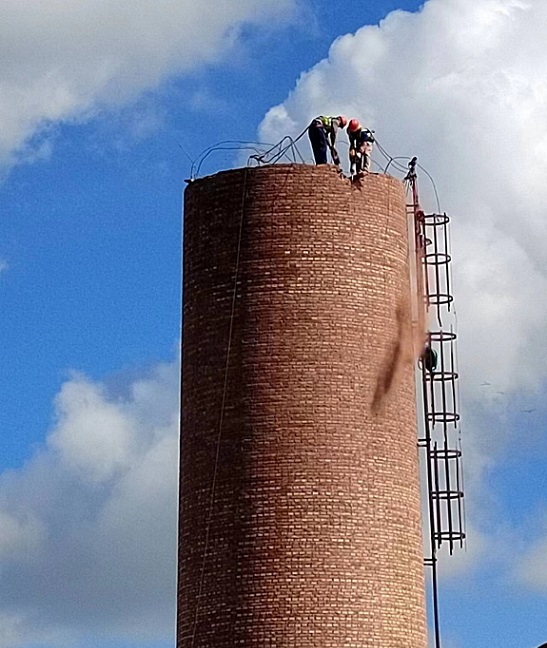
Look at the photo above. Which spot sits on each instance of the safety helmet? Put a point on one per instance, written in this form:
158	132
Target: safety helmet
353	125
343	121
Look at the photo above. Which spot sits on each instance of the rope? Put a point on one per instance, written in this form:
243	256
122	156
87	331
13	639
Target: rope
282	151
222	408
225	145
434	186
276	152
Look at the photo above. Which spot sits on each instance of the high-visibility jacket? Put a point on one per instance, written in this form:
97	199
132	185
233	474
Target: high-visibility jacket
329	125
326	121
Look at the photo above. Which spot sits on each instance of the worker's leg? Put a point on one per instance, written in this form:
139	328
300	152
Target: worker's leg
318	140
367	156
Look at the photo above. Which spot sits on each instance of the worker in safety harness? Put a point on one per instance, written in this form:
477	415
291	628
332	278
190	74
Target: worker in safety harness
322	132
429	359
360	147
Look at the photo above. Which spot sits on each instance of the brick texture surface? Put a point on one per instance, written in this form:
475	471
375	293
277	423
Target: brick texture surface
299	495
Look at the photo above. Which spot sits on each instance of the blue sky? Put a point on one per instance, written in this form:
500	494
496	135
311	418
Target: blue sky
96	103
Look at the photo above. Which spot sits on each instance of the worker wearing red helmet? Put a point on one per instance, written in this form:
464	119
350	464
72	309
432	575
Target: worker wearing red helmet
322	133
360	147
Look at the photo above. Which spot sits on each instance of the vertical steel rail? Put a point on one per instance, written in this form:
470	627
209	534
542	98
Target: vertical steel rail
422	290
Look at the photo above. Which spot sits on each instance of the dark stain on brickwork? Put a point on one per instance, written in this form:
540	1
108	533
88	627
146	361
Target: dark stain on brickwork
398	353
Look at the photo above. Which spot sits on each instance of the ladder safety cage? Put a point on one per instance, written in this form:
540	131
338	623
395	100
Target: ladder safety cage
440	438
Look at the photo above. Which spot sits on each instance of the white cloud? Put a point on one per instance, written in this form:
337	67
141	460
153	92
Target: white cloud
63	60
94	438
88	528
532	567
17	632
462	85
447	84
19	535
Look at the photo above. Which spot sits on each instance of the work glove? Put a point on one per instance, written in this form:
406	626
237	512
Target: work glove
335	157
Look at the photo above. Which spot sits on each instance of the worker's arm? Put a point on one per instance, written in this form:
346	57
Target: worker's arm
366	142
353	142
331	140
332	135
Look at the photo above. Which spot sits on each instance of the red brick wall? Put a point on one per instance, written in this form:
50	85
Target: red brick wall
314	528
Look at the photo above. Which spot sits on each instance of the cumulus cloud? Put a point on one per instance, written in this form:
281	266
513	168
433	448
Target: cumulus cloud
461	84
448	85
88	526
94	438
63	60
532	567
